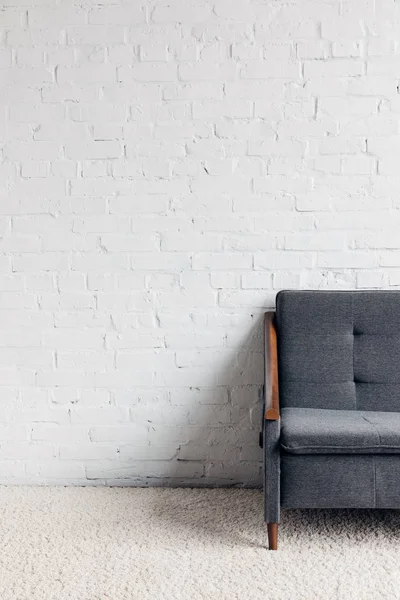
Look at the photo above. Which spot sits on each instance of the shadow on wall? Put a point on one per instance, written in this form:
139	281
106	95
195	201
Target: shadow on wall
220	446
204	434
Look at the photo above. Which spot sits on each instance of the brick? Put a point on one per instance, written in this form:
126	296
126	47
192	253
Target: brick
244	298
377	86
223	261
333	68
254	281
205	396
224	280
273	69
123	434
147	72
5	59
207	71
169	13
70	91
288	23
20	150
94	150
87	74
211	109
346	48
88	451
317	49
191	242
371	279
316	241
118	15
153	51
55	17
74	339
240	11
282	260
131	243
359	165
28	76
347	260
96	34
56	472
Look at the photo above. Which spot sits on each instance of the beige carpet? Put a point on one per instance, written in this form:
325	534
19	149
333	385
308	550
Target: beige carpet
164	544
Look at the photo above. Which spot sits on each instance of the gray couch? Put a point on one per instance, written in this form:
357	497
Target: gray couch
331	427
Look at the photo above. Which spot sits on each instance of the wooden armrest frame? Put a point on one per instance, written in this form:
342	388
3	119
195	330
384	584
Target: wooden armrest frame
271	386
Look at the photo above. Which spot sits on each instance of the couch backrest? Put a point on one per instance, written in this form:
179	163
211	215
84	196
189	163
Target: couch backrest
339	350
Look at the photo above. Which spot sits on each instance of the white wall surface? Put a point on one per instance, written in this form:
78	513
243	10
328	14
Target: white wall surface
167	167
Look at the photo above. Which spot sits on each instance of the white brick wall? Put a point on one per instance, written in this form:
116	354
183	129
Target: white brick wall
167	166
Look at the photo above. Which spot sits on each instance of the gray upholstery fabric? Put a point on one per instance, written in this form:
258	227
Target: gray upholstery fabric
272	471
387	479
337	444
328	481
340	481
320	431
339	350
368	394
313	394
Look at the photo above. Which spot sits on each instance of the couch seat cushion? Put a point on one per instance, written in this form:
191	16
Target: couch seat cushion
321	431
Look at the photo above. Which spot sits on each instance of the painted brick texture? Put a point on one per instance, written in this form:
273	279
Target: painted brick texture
167	166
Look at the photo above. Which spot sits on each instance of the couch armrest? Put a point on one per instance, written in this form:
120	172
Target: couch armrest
271	386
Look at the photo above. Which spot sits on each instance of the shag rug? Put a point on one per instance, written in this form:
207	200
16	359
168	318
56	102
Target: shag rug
188	544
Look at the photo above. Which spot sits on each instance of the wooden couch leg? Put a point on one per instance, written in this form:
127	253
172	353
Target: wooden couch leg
273	536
